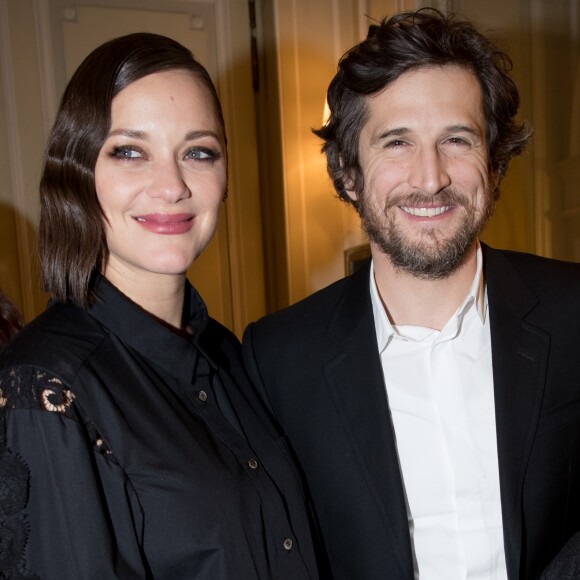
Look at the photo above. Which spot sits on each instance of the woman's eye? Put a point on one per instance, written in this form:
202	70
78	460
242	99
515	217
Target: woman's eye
126	153
202	154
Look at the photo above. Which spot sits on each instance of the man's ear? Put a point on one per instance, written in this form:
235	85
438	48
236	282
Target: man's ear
494	181
348	183
351	193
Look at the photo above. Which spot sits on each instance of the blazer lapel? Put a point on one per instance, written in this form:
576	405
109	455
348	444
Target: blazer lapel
519	355
356	383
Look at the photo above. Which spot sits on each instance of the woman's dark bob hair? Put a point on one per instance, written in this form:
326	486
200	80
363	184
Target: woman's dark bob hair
407	41
72	241
10	319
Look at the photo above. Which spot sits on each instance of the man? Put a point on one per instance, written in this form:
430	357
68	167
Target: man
432	398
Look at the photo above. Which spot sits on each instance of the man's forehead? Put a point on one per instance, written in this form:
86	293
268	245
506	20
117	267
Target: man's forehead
449	97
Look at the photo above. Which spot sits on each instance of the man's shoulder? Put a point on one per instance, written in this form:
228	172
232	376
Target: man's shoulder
315	310
544	275
529	260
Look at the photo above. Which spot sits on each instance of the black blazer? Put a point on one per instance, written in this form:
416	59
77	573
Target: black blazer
317	365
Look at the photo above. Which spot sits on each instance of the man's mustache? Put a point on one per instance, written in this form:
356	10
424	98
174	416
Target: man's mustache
447	196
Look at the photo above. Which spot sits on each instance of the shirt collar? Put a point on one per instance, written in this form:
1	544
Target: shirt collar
177	353
476	297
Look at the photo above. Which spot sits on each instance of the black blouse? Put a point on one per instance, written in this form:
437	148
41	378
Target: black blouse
130	451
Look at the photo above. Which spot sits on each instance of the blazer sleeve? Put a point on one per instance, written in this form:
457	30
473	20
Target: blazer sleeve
566	565
66	509
252	367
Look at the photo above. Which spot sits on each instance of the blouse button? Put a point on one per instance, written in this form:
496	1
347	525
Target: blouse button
288	543
202	396
253	464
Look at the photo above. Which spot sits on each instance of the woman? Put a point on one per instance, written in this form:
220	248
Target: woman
132	445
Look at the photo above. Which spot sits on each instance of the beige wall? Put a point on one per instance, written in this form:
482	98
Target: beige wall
556	90
312	227
22	138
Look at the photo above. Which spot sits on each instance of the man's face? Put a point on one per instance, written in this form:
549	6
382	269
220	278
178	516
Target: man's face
423	152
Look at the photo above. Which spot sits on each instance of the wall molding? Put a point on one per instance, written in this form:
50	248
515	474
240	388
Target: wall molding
232	218
17	180
541	188
46	68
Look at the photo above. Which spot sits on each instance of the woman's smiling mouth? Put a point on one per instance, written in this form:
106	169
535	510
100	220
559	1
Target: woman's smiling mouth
164	223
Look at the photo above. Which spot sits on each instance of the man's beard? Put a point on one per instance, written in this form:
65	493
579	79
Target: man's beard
431	257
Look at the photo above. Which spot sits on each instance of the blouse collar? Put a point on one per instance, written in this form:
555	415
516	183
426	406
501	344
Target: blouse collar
177	353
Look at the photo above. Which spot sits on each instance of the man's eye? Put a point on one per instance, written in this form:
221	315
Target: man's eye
457	141
397	143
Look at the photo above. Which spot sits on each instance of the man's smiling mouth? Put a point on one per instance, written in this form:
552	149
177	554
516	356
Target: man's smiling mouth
426	211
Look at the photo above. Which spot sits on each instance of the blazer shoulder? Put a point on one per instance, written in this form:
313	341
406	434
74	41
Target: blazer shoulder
312	314
545	276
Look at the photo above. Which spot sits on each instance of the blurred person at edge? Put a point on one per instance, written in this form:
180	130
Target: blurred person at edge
132	445
432	398
10	319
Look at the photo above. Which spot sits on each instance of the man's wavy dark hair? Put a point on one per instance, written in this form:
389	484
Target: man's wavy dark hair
408	41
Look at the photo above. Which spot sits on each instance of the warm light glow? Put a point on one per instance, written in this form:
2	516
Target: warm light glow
325	113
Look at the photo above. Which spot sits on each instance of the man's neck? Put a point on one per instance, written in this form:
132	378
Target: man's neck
409	300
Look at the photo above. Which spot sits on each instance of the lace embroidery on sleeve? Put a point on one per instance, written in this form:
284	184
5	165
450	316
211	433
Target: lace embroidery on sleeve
22	388
13	528
31	388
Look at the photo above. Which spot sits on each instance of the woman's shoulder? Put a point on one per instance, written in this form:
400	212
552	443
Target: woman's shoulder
54	344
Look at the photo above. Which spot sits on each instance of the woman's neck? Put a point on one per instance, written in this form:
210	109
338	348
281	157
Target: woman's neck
159	294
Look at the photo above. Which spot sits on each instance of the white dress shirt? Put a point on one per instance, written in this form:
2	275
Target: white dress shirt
440	390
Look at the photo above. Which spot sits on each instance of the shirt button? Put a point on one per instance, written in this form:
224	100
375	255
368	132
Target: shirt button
253	464
288	543
202	396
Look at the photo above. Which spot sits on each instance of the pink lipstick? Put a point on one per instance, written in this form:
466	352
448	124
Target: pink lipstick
166	223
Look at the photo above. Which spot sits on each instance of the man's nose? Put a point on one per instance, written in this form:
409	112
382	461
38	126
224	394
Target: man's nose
429	172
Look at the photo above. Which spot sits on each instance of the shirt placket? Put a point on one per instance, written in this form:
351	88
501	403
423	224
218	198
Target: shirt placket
284	541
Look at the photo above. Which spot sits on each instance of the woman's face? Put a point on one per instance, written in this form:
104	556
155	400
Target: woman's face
160	176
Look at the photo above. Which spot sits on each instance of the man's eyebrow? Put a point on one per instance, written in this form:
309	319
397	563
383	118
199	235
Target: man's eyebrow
463	129
402	131
396	132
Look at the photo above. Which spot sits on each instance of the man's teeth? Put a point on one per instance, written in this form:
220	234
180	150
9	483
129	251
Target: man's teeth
426	211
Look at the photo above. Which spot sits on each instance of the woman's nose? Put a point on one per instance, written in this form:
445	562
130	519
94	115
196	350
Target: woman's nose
168	182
